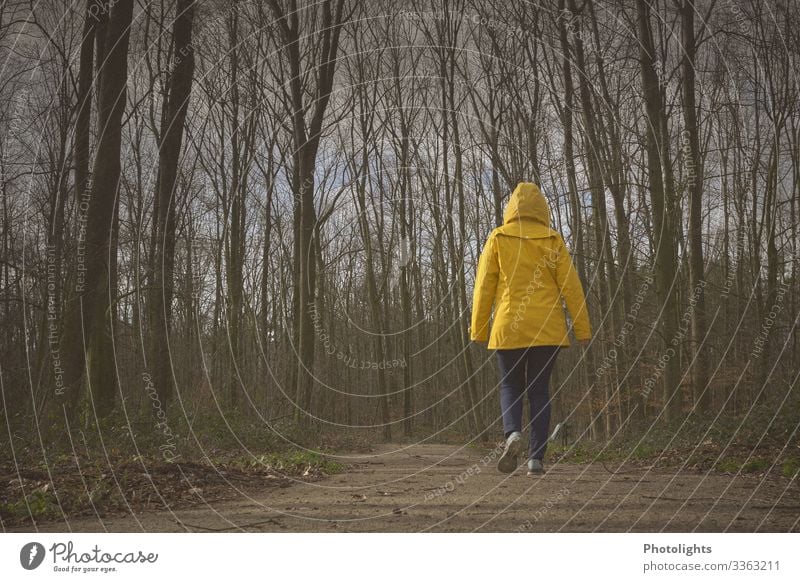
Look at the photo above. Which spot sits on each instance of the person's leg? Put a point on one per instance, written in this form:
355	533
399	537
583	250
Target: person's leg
539	364
512	390
512	384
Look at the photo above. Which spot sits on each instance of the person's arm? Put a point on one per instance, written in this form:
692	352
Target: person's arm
572	292
485	288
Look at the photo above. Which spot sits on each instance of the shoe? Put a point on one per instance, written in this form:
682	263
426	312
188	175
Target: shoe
535	467
508	460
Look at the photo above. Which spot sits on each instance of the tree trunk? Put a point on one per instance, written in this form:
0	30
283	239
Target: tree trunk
666	263
306	137
167	191
698	352
95	296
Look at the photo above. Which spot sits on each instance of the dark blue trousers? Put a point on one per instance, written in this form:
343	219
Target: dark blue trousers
527	370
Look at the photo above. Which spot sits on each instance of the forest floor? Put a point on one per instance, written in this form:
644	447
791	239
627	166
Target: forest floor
449	488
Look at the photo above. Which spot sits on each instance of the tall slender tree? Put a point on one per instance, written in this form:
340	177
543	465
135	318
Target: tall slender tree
167	194
89	325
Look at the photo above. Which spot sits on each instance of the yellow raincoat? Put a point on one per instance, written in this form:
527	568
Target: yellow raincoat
524	271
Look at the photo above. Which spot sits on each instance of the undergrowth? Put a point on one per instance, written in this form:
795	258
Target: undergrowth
756	443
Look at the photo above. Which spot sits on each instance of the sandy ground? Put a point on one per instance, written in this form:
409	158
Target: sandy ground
445	488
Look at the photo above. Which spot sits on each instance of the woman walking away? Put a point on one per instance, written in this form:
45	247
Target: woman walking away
525	271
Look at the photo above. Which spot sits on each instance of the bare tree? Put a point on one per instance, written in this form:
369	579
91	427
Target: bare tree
167	194
89	325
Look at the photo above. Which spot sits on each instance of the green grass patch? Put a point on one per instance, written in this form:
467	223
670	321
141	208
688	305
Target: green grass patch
296	462
727	465
37	505
585	452
644	451
756	465
791	467
752	465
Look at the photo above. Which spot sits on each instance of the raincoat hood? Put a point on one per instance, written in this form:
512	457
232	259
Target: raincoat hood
527	201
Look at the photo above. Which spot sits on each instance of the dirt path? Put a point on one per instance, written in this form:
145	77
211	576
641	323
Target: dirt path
444	488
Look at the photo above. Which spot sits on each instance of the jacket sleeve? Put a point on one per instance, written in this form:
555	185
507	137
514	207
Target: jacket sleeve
572	292
485	288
